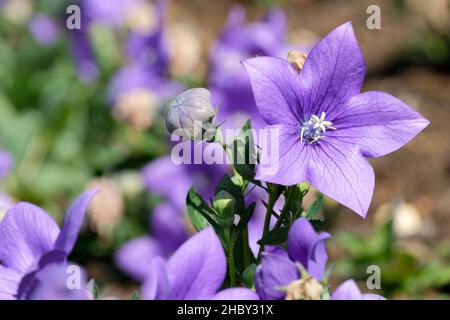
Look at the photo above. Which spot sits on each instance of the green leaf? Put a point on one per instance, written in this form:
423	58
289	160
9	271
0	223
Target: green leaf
135	296
244	152
315	207
200	214
274	237
248	275
245	218
227	184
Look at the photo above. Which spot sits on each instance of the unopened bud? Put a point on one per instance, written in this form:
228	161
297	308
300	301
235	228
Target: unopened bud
224	204
191	114
296	59
304	289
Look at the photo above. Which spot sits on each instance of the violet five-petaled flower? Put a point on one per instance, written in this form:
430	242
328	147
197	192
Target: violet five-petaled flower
279	268
326	126
31	244
195	271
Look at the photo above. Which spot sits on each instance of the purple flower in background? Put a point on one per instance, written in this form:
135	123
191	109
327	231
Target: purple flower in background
137	93
350	291
278	268
169	230
111	12
6	163
326	126
31	242
43	29
151	50
227	79
160	174
195	271
83	54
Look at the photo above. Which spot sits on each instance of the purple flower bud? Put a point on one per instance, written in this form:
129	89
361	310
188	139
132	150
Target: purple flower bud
190	113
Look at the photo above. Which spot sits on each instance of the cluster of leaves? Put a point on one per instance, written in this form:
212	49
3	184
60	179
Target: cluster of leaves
232	225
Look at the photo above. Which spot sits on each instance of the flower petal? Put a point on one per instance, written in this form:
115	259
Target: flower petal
236	294
276	87
199	267
339	171
306	246
333	72
26	233
157	285
274	271
135	257
283	157
347	291
9	283
378	123
72	223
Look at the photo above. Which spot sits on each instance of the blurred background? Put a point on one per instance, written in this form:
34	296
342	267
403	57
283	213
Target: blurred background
84	107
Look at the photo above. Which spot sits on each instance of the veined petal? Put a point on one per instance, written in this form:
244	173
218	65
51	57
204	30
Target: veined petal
284	158
157	285
339	171
26	233
307	246
333	72
236	294
275	271
198	266
9	283
276	89
377	123
73	221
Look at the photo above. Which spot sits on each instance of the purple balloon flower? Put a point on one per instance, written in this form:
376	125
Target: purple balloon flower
350	291
195	271
30	241
278	268
326	126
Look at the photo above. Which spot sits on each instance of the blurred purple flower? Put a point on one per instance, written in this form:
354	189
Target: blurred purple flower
111	13
278	268
44	29
83	55
169	230
326	126
30	241
195	271
350	291
159	177
151	50
137	93
228	80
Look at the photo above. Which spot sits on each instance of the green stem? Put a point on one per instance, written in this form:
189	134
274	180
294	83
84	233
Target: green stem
286	207
246	247
231	266
270	205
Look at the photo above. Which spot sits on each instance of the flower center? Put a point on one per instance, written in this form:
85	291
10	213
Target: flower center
304	289
313	129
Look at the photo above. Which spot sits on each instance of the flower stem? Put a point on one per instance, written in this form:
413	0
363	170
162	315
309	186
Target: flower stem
231	266
290	192
270	205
